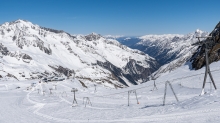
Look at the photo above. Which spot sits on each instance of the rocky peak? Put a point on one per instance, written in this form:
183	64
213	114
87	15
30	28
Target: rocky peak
93	37
52	30
22	21
199	32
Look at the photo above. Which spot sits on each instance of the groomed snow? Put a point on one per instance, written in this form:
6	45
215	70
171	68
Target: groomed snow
110	105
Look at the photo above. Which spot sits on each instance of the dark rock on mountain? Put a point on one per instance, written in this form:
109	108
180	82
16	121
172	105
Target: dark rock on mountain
138	72
92	37
52	30
198	59
3	50
133	72
65	71
116	72
25	56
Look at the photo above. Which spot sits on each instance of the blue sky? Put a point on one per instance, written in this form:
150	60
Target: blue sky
116	17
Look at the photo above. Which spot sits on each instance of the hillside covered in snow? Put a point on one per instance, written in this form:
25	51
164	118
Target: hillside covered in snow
53	101
170	50
29	51
164	48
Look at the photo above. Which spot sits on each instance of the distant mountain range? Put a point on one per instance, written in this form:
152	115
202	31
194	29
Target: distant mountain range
164	48
170	50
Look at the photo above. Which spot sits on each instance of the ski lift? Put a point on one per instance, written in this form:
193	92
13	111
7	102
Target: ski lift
208	43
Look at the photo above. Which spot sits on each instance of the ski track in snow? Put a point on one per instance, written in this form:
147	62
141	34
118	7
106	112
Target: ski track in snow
28	106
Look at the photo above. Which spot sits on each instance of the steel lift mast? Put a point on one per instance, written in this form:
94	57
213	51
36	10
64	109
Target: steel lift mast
208	43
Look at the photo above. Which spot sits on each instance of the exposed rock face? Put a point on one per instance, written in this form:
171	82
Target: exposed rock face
132	72
138	72
214	53
65	71
52	30
21	42
92	37
3	50
116	72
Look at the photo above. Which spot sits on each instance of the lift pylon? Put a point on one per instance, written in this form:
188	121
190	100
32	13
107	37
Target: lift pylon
208	43
132	91
165	92
155	86
74	90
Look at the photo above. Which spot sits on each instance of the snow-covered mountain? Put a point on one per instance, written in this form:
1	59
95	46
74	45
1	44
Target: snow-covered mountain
29	51
113	36
195	56
170	50
164	48
168	47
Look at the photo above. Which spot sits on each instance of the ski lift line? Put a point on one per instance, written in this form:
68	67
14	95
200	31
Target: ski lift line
157	84
194	75
112	94
105	96
128	90
160	83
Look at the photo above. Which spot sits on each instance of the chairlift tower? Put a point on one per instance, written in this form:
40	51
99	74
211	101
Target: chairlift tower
132	91
74	90
44	92
68	74
86	101
95	88
38	90
208	43
50	90
55	87
165	92
155	86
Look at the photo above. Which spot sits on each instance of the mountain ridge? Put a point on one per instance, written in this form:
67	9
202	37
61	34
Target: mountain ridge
91	58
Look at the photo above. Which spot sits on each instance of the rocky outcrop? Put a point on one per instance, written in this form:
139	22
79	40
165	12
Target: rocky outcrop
198	59
21	42
132	72
92	37
117	73
52	30
3	50
66	71
139	72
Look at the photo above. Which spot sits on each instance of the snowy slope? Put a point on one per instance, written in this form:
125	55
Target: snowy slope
111	105
29	51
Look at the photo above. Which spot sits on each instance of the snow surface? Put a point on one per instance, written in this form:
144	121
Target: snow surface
111	105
